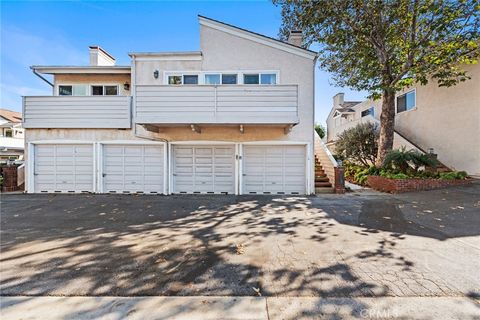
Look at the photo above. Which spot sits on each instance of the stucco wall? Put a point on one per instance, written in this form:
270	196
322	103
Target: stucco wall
106	79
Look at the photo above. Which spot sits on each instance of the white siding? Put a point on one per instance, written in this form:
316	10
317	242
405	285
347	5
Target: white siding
77	112
223	104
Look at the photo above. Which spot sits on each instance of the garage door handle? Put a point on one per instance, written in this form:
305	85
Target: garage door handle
244	174
174	174
104	174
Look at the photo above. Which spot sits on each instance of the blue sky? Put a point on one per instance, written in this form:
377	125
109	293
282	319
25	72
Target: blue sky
59	33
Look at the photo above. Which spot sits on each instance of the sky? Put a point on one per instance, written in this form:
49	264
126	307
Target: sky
59	33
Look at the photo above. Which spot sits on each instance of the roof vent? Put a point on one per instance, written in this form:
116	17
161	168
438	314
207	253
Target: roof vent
100	57
295	37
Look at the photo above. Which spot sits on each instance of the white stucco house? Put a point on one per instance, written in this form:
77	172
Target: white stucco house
11	136
235	117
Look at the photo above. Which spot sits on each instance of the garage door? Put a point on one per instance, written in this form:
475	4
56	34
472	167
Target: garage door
203	169
63	168
274	169
133	168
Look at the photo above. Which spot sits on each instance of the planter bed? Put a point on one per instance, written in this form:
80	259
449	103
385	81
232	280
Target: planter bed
407	185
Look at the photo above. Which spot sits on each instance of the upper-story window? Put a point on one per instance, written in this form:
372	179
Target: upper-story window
370	111
183	79
260	78
98	90
73	90
220	78
406	101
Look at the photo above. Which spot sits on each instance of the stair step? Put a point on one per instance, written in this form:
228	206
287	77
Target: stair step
322	184
324	190
322	179
317	172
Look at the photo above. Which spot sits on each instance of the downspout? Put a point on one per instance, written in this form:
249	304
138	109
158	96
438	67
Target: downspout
41	77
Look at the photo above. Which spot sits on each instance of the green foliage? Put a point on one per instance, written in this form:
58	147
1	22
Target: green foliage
406	161
357	174
320	130
358	144
392	175
453	175
383	47
1	180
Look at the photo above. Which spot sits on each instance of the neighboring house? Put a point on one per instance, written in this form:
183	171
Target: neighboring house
11	136
236	117
440	120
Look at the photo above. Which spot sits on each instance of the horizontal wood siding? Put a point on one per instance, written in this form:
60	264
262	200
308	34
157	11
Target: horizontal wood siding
77	112
224	104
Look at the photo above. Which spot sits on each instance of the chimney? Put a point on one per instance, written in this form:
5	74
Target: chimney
100	57
295	37
338	99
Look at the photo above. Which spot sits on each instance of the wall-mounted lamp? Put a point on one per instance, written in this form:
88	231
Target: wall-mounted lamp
126	86
155	74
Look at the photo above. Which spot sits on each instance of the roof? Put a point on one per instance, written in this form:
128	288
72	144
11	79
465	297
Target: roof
81	69
12	116
257	37
176	56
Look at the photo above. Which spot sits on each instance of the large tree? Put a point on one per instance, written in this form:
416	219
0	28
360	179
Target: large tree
384	46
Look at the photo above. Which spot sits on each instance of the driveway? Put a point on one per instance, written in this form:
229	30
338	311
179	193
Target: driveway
355	245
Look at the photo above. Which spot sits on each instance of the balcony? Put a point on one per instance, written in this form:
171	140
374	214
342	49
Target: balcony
223	104
70	112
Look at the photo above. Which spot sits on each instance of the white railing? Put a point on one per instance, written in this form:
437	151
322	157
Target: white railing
77	112
223	104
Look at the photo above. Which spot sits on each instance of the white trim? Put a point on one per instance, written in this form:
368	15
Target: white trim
89	89
257	38
237	170
30	168
201	76
202	142
62	142
170	181
85	70
275	142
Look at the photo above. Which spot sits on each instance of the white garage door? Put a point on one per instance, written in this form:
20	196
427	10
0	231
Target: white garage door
133	168
63	168
274	169
203	169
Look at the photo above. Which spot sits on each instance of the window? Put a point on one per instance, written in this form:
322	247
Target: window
8	133
406	101
104	90
174	79
190	79
212	78
73	90
268	78
97	90
369	111
229	79
251	78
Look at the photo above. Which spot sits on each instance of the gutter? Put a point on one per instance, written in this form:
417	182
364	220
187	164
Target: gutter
41	77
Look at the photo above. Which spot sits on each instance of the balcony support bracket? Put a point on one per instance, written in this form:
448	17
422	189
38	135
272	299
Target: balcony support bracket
242	129
195	128
288	129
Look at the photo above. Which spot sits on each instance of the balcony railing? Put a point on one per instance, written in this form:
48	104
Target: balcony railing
223	104
77	112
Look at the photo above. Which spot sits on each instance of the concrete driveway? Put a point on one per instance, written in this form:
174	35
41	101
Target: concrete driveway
354	245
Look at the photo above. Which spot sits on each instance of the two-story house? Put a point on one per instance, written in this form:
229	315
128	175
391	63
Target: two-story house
11	136
236	117
440	120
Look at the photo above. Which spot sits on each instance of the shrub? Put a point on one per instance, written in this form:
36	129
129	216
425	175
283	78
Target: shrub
405	161
453	175
358	144
391	175
320	130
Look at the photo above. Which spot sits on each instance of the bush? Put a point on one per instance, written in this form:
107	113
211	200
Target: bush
358	144
320	130
453	175
391	175
405	161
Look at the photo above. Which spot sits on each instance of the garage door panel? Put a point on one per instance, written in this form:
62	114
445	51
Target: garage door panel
203	169
274	169
133	168
63	168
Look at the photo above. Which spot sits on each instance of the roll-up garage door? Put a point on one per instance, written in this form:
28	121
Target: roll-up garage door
133	168
274	169
63	168
203	169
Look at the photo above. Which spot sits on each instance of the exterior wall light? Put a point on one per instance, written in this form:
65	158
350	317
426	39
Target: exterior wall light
155	74
126	86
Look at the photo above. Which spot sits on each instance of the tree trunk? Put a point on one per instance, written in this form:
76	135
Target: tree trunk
387	125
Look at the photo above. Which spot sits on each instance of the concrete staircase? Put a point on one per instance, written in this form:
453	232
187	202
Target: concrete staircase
322	182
